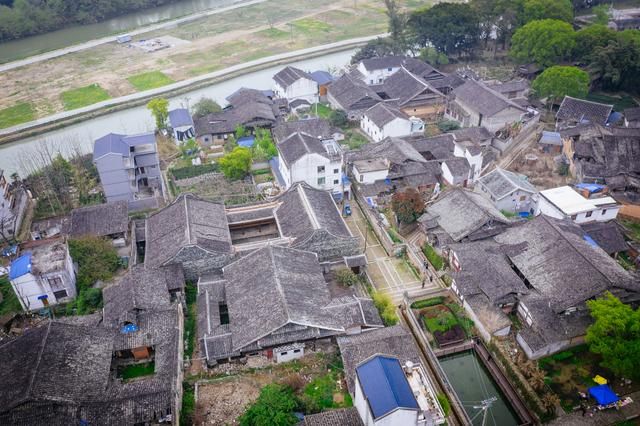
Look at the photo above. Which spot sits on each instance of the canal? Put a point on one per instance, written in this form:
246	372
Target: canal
18	49
138	119
473	384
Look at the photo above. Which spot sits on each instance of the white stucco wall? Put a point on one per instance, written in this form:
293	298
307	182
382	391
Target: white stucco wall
596	214
306	170
300	89
376	76
369	177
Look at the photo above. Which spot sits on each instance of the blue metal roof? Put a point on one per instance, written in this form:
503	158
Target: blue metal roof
321	77
246	141
20	266
180	117
385	386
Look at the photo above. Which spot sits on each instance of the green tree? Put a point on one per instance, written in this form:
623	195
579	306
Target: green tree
547	9
615	335
452	28
617	65
590	38
602	14
375	48
274	406
236	164
159	108
97	260
264	148
338	118
431	56
397	25
407	205
205	106
240	132
559	81
545	42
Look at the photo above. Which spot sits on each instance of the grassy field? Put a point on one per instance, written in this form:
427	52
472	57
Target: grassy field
16	114
83	96
10	302
149	80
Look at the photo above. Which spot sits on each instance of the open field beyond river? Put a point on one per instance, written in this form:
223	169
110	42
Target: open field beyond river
195	48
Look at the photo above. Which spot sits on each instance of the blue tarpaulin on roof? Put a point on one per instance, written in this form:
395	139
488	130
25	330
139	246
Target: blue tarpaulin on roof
603	394
592	187
129	328
590	240
20	266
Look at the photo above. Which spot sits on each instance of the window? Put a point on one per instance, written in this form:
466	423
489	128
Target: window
523	197
224	313
588	214
296	351
604	211
283	353
320	169
206	139
379	80
336	171
574	217
60	294
389	69
55	283
361	178
321	181
336	181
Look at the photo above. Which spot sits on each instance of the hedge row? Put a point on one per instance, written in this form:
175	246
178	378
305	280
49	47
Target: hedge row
193	171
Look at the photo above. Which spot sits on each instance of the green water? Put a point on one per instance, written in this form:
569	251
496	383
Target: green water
473	384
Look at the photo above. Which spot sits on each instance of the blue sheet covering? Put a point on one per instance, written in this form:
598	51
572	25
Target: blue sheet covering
603	394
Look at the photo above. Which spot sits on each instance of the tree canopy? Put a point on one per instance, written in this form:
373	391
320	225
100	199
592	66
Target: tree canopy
274	406
205	106
615	335
407	205
617	64
264	148
547	9
236	164
452	28
558	81
375	48
546	42
591	37
159	108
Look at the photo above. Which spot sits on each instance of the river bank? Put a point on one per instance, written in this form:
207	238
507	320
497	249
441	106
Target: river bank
194	49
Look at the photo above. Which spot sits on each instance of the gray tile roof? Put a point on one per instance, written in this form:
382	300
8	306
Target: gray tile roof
381	114
300	144
560	265
609	156
478	135
607	235
482	99
289	75
226	121
120	144
316	127
272	287
349	91
404	87
510	86
188	221
459	167
461	212
501	183
438	147
305	209
100	220
579	111
393	149
394	341
180	117
384	62
632	114
342	417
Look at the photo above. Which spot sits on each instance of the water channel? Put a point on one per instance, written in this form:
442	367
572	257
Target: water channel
473	384
18	49
138	119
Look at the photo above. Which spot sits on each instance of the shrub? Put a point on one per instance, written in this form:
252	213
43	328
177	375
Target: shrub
434	258
448	125
274	406
236	164
97	260
385	307
419	304
193	171
188	404
394	236
346	277
338	118
444	403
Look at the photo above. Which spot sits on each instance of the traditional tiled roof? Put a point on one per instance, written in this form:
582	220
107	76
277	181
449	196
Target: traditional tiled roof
381	114
289	75
501	183
482	99
458	166
478	135
343	417
316	127
120	144
607	235
580	111
227	120
188	221
404	87
609	156
438	147
384	62
510	86
300	144
348	91
100	220
632	114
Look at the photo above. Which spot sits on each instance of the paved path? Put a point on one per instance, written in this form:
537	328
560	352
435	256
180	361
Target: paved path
388	274
111	38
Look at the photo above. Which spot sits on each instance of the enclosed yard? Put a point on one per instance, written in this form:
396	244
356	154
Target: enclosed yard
214	186
444	319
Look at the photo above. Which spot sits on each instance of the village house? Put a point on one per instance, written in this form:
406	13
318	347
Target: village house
351	95
566	202
550	142
607	236
294	84
313	160
273	302
50	227
182	125
515	89
76	375
518	271
508	191
377	70
455	171
129	169
632	117
478	136
316	127
43	275
109	220
573	112
475	104
384	120
461	215
14	200
324	80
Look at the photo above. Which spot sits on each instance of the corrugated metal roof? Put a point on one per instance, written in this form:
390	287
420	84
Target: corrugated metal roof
20	266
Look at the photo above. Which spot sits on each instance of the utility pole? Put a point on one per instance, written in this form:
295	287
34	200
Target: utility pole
484	408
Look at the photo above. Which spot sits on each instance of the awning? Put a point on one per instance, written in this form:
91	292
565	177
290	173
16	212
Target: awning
603	394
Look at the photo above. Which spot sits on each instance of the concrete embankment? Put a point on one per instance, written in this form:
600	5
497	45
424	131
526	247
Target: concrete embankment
56	121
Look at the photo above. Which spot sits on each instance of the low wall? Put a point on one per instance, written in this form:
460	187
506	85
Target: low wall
507	145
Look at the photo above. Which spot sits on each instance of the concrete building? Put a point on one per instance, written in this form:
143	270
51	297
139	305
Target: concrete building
294	84
129	168
508	191
383	120
377	70
43	276
565	202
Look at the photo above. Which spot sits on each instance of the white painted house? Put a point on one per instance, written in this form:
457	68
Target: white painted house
370	170
44	275
473	154
182	125
382	121
316	161
376	70
565	202
294	84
